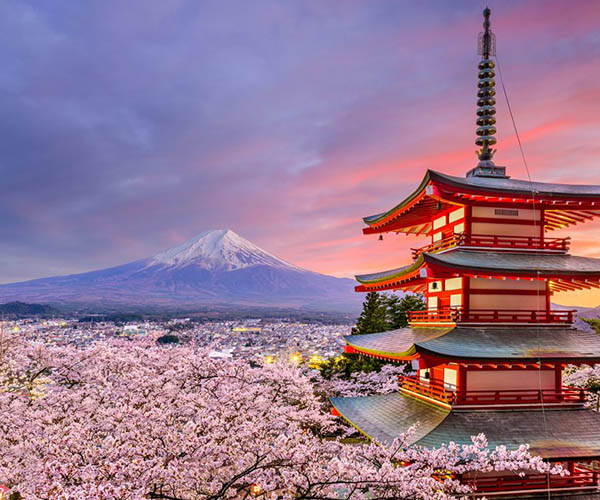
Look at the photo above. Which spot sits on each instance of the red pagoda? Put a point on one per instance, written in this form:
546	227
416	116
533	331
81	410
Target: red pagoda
489	350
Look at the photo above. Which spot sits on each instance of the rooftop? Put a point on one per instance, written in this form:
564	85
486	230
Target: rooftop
551	433
483	343
584	271
438	191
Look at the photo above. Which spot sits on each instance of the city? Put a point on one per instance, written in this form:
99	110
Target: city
249	340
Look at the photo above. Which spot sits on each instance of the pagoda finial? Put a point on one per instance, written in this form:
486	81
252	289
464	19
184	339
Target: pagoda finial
486	94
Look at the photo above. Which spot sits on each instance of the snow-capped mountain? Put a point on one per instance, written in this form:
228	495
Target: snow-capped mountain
218	250
216	267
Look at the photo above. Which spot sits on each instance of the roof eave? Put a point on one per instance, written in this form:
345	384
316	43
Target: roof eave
374	219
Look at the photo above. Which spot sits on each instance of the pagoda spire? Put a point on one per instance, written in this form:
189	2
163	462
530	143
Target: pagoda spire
486	100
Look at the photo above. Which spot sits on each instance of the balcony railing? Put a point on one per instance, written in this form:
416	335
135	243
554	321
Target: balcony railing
576	479
493	241
433	390
438	246
524	396
448	394
461	315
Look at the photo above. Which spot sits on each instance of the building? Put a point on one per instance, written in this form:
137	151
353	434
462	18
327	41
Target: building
489	350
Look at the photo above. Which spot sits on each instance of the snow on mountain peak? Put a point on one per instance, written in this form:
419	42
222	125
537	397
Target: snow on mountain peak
217	250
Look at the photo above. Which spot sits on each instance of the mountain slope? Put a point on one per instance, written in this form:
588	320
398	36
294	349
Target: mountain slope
215	267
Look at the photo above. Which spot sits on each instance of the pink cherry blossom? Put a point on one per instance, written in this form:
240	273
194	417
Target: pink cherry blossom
131	420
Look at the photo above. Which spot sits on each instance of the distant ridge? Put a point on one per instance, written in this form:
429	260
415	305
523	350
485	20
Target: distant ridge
17	308
217	266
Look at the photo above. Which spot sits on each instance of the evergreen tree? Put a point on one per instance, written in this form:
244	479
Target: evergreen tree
372	319
397	309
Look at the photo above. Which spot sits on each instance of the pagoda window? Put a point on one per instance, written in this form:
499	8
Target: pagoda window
437	236
439	222
506	211
450	378
456	215
456	300
434	286
432	303
459	228
453	284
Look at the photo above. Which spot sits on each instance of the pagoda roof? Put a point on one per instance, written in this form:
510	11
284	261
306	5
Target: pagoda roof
405	275
482	343
518	263
551	433
438	191
531	265
399	344
515	187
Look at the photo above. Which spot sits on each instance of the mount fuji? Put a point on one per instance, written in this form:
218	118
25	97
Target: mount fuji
216	267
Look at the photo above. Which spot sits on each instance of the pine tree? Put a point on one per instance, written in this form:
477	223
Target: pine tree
372	319
397	309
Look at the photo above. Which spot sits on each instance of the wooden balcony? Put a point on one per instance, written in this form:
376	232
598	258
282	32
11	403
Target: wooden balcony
461	315
484	241
448	395
429	389
565	395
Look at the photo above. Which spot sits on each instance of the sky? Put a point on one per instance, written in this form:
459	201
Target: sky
129	127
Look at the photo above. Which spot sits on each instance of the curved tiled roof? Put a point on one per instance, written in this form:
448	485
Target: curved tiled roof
525	264
391	274
551	433
394	343
490	185
517	187
384	417
516	343
515	262
371	219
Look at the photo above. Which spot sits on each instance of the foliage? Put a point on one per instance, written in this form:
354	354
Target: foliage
587	377
383	381
168	339
346	365
372	319
398	307
133	420
380	313
594	323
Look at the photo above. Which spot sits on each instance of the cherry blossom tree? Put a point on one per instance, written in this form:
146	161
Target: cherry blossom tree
133	420
587	377
383	381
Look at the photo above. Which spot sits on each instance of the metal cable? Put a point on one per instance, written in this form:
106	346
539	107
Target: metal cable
533	193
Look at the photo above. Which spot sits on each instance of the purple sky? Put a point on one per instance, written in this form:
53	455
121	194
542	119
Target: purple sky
129	127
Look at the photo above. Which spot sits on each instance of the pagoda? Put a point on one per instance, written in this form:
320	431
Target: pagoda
489	349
